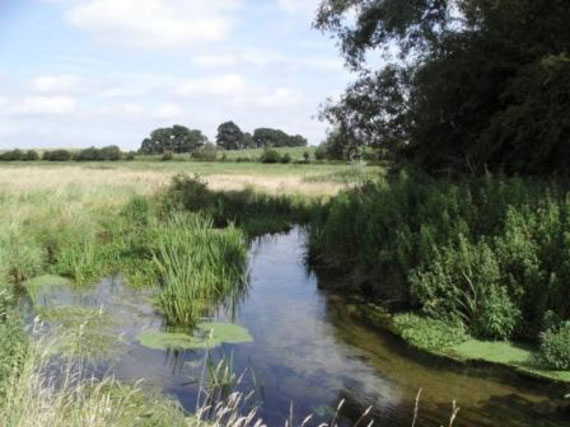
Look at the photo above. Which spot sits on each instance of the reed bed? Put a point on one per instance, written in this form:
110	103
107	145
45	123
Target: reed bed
199	266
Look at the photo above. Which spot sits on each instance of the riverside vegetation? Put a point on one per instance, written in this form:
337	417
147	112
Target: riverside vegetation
467	260
84	233
484	259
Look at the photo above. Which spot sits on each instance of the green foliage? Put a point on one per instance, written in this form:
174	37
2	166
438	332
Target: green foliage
57	156
13	340
177	139
31	156
270	155
21	254
230	137
199	266
469	85
208	153
429	334
12	156
264	137
111	153
254	212
492	253
555	349
206	336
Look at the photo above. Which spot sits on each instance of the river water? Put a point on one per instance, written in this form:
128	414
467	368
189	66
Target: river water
309	354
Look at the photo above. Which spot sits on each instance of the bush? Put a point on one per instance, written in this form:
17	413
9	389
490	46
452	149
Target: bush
130	156
167	156
31	156
12	156
270	155
91	154
493	253
555	349
57	155
286	158
321	152
208	153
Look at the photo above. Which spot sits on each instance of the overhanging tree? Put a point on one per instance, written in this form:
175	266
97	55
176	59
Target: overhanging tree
466	84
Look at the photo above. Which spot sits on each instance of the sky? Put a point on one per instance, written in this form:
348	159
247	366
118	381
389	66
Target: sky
77	73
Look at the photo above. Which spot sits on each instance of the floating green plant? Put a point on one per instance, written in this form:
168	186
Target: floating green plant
208	335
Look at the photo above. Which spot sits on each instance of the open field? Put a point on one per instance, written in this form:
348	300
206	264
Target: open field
146	177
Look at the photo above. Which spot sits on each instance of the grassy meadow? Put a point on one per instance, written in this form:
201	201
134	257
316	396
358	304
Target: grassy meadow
79	223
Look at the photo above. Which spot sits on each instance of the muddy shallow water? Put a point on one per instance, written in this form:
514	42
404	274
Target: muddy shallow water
309	352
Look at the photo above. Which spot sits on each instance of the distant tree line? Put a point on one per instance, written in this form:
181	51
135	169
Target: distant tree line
91	154
180	139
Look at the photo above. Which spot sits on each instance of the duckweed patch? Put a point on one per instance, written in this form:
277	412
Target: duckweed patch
208	335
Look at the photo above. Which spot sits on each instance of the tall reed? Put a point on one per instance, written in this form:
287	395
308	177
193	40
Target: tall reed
199	265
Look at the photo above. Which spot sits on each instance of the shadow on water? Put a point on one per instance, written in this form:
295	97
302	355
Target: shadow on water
310	352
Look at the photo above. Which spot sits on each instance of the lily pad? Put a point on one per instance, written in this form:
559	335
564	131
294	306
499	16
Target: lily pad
208	335
158	340
226	332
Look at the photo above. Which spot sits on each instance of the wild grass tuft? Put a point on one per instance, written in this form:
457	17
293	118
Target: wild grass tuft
199	266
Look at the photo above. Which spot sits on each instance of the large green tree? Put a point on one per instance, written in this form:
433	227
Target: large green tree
176	139
277	138
465	85
231	137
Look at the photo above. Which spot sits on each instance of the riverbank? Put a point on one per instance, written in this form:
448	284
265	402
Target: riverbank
480	263
442	342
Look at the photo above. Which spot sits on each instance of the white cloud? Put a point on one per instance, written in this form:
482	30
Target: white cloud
294	6
153	23
40	105
282	97
215	61
55	84
168	112
225	84
131	110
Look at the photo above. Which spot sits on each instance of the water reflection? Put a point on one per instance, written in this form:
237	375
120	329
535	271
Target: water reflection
310	352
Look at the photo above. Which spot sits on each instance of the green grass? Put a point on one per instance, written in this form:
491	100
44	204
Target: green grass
200	266
254	154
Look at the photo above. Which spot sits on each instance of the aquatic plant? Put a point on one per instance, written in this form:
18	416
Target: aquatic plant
206	336
199	266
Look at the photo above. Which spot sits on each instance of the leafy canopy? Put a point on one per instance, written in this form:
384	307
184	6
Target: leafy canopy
464	85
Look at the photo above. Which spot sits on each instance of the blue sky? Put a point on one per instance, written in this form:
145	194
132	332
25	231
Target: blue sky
76	73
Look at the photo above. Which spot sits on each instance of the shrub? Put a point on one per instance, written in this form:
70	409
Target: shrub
270	155
555	349
130	156
321	152
31	156
12	156
111	153
167	156
307	156
494	253
207	153
57	155
286	158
